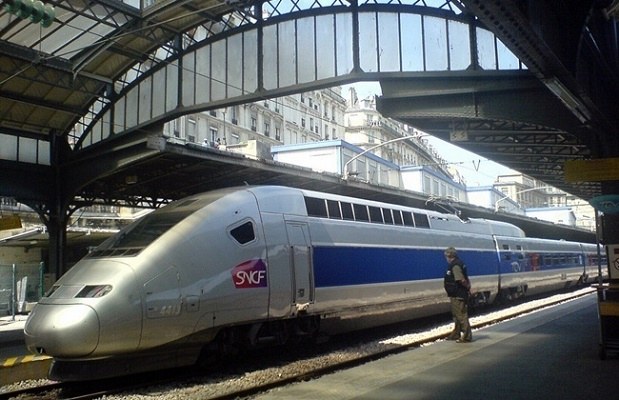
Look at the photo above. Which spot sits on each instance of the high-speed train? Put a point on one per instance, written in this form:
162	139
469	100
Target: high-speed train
246	266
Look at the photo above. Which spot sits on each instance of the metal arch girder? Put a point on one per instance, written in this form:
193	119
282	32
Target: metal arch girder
485	114
477	95
580	68
265	72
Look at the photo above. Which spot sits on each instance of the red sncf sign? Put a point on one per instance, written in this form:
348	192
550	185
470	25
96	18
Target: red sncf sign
250	274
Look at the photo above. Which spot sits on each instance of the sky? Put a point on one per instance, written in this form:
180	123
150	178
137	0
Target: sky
476	170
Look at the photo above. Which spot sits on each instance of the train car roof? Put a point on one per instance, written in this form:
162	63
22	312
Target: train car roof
273	200
437	219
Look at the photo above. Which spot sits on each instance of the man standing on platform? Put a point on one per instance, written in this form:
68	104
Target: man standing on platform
457	286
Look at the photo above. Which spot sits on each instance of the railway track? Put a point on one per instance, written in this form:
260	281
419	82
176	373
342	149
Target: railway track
241	379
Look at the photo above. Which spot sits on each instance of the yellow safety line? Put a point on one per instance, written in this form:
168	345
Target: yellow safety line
12	361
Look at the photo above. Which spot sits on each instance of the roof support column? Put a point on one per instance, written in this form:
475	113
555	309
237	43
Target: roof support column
57	230
610	221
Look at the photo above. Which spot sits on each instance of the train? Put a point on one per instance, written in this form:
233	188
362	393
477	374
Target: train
243	267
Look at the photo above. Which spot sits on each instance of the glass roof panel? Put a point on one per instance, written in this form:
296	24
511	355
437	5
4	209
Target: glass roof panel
77	24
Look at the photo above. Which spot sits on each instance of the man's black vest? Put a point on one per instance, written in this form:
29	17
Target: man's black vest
452	287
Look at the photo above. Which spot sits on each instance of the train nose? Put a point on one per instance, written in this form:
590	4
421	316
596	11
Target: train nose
62	331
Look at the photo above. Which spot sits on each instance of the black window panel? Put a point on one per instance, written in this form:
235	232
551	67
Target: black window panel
397	217
375	215
421	220
361	213
334	209
387	216
243	233
347	211
408	218
147	229
315	207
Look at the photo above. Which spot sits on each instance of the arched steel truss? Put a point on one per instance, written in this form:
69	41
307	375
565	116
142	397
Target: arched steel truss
264	53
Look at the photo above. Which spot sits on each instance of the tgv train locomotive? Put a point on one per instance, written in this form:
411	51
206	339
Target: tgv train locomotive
242	267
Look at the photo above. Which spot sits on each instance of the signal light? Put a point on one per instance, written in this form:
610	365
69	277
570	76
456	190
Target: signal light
35	10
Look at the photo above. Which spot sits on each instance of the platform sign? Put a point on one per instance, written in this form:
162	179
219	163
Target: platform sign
608	203
603	169
10	222
613	261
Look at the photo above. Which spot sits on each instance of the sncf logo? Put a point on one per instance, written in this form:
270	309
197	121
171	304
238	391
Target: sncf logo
250	274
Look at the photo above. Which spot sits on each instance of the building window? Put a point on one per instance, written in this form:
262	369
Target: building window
254	123
303	122
191	124
234	115
213	132
267	129
176	128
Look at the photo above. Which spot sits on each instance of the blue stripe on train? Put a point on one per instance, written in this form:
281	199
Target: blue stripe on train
342	266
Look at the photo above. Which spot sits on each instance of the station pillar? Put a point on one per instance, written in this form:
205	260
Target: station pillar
57	231
609	226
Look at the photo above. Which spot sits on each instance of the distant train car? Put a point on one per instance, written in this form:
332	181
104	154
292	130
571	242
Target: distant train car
246	266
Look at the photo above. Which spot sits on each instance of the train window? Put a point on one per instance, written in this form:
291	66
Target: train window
421	220
315	207
397	217
334	209
505	247
347	211
518	247
361	212
146	230
243	233
375	215
387	216
408	218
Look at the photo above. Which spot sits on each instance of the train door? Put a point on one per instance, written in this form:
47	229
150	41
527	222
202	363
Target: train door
300	262
513	266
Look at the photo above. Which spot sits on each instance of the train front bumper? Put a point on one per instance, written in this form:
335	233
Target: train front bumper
64	331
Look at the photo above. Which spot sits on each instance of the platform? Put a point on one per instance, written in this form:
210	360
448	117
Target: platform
550	354
16	363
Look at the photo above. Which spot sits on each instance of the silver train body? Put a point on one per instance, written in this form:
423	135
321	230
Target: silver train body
240	267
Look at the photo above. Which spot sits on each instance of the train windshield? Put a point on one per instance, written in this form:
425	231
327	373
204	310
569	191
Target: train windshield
147	229
135	237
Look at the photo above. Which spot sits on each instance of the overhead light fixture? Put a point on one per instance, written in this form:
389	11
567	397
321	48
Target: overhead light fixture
574	104
131	179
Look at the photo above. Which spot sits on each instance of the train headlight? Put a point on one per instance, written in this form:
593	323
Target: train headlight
94	291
